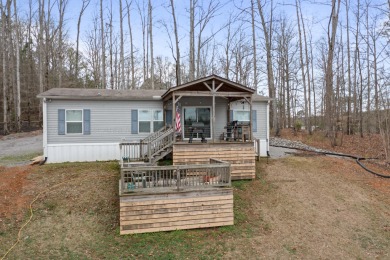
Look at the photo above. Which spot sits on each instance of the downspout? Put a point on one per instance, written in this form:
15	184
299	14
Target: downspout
267	128
44	132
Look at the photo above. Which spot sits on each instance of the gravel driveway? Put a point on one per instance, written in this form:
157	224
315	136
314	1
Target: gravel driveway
15	146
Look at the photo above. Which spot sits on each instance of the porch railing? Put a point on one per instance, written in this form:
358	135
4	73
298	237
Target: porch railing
155	135
147	148
132	152
162	142
149	178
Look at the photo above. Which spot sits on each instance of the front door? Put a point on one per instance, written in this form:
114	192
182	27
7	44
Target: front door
197	115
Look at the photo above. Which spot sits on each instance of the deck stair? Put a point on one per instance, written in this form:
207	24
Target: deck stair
148	150
159	144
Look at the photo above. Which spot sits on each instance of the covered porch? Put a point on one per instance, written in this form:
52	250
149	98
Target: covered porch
210	109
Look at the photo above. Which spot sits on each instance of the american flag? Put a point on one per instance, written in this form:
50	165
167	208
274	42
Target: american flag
178	123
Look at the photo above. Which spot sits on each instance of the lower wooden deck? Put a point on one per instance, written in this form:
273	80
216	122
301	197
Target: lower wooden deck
240	155
175	210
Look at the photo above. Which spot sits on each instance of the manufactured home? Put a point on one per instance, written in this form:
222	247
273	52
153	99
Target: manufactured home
210	117
212	128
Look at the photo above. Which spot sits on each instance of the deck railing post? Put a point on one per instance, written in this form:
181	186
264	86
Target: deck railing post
178	180
149	152
140	148
121	155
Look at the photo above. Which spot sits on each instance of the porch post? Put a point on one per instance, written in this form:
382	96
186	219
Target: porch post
250	117
213	113
174	116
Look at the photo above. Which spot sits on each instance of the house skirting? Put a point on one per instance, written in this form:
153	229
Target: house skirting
82	152
175	210
240	155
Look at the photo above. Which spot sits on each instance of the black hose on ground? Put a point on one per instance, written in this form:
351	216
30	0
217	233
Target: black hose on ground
358	159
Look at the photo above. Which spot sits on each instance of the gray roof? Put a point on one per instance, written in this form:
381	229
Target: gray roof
256	97
101	94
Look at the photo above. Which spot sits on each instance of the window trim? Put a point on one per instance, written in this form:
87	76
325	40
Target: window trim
82	122
151	121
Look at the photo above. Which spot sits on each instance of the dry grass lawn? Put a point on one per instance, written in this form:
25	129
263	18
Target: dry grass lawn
298	207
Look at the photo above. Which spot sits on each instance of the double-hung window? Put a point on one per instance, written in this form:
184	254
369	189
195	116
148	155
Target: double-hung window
74	121
150	120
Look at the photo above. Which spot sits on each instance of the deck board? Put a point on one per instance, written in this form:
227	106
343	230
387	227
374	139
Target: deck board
241	155
140	213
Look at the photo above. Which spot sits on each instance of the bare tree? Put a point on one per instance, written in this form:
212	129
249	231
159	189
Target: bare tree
128	4
254	44
103	46
268	48
349	130
41	51
177	58
4	55
302	63
61	10
191	75
82	10
150	13
122	51
18	98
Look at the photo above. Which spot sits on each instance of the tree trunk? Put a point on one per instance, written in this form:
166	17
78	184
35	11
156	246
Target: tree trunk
5	73
192	41
308	100
329	120
270	73
83	7
178	73
103	82
151	42
254	45
17	42
41	54
62	7
122	51
111	50
302	63
349	71
131	46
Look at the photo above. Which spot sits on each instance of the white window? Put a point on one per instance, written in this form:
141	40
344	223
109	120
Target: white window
158	120
74	121
150	120
241	116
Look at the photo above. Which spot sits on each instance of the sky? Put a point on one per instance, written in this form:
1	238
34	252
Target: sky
315	12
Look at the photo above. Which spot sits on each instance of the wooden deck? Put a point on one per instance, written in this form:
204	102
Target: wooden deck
175	210
240	155
162	198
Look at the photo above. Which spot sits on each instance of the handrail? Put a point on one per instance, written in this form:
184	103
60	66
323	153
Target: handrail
155	135
148	147
148	178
